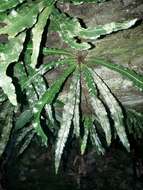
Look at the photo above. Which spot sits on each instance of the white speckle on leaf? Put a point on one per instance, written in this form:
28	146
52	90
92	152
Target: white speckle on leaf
13	13
35	110
35	125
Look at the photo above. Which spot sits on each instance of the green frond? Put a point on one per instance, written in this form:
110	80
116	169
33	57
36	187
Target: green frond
93	33
96	141
37	32
22	134
47	98
6	5
27	140
77	2
68	29
45	68
114	108
126	72
10	53
19	20
98	106
87	126
23	139
68	113
76	117
22	77
56	51
53	51
23	119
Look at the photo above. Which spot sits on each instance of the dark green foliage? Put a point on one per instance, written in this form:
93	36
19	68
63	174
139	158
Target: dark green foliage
23	20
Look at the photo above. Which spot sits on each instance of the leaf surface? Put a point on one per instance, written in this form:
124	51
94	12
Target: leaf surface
9	54
68	112
47	98
37	32
137	79
114	108
97	104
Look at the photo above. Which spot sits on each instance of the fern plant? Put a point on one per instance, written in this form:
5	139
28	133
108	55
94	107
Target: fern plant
86	88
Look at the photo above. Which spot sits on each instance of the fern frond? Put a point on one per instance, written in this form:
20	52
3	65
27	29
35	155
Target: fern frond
96	141
56	51
48	98
53	51
9	54
87	125
45	68
35	88
68	29
77	2
21	75
94	33
130	74
114	108
97	104
27	140
37	32
68	112
6	5
23	133
23	119
76	117
18	21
